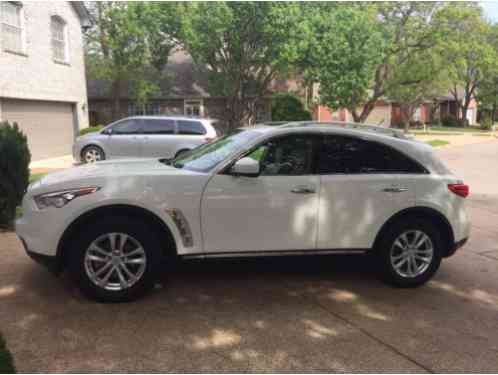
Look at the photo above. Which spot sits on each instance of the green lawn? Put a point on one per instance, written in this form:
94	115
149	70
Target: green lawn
6	361
438	143
455	130
35	176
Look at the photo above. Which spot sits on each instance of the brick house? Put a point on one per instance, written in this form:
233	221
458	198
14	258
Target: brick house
42	72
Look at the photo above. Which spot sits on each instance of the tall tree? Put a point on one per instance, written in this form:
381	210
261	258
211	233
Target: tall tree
130	42
356	51
237	46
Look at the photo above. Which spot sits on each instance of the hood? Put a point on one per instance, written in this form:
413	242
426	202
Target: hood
110	168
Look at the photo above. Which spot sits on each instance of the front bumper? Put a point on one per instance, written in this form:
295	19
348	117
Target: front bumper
52	263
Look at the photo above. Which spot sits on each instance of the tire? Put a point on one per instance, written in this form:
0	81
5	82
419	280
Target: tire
396	249
129	234
92	154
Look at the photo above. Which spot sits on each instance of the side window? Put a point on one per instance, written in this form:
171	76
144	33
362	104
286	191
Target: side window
159	126
131	126
345	155
188	127
285	156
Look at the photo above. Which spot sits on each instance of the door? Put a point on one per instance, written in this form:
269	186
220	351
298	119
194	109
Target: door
159	138
274	211
49	126
125	139
363	184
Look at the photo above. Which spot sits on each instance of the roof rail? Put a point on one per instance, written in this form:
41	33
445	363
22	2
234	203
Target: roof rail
351	125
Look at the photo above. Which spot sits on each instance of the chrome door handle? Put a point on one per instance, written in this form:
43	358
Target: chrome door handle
303	190
395	189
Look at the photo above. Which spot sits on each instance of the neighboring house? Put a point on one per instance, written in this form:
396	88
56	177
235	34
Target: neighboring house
42	72
449	107
184	91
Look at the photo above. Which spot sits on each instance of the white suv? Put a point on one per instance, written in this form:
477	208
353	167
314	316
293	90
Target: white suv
300	188
146	137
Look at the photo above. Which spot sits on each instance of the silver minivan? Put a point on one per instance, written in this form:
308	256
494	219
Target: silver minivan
145	136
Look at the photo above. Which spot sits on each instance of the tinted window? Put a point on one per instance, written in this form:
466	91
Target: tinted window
159	126
191	127
286	156
346	155
131	126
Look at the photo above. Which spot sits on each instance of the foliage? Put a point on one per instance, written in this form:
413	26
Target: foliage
6	360
287	107
14	170
486	122
91	129
238	47
450	121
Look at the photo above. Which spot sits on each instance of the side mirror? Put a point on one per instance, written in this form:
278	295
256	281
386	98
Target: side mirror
107	131
245	167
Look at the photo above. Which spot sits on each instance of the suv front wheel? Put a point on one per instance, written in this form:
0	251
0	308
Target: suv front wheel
409	253
115	260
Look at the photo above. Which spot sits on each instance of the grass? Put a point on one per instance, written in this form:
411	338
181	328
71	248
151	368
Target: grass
438	143
91	129
468	129
6	361
35	176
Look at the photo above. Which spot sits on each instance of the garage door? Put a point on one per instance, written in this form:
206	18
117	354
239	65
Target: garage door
48	125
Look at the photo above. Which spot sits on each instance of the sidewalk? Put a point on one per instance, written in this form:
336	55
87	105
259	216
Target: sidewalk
48	165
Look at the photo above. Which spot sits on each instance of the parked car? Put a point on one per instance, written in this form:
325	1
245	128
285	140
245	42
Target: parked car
144	136
302	188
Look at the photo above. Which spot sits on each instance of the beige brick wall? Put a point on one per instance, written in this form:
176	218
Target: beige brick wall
35	75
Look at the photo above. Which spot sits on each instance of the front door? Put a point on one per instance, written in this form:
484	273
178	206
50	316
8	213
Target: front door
159	138
274	211
125	139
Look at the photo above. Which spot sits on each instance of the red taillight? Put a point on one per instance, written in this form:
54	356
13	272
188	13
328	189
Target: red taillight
461	190
209	139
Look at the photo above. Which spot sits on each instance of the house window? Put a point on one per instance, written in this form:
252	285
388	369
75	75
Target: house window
59	39
143	110
12	27
193	108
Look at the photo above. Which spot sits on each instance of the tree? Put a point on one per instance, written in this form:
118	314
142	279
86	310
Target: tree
287	107
469	53
130	42
356	51
487	91
239	48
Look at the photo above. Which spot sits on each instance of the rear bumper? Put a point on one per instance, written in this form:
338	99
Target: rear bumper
457	245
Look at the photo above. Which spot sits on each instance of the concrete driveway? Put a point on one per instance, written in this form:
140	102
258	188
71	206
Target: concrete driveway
319	314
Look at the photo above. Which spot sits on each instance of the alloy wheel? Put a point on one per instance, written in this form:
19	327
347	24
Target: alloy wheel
411	253
92	155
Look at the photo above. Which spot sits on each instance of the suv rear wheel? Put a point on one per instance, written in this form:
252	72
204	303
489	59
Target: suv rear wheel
116	260
409	253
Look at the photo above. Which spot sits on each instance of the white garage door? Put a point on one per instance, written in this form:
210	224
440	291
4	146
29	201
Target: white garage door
48	125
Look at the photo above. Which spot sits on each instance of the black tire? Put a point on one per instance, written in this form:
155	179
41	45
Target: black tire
181	153
383	252
96	150
131	227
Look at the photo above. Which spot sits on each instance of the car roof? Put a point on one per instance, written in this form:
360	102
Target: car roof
172	117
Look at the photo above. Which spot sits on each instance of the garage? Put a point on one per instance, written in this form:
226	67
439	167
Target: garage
49	126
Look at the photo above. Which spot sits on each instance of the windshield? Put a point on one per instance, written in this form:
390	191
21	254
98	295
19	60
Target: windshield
207	156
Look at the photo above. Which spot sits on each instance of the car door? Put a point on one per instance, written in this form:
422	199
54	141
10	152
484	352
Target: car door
125	139
275	211
159	137
363	184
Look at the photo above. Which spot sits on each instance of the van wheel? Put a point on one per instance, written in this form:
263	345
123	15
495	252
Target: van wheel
409	253
116	260
92	154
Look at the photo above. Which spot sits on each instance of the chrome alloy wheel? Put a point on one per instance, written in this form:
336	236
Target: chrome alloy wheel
411	253
92	155
115	261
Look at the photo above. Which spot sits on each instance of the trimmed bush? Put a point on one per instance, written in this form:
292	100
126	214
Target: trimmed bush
486	122
451	121
91	129
14	170
287	107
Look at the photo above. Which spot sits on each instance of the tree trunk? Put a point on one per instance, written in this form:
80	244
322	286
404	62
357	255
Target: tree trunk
367	109
116	100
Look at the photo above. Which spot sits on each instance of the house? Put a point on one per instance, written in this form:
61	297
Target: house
183	91
42	72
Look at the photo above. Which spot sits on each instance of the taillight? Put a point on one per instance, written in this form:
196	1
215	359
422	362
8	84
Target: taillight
209	139
461	190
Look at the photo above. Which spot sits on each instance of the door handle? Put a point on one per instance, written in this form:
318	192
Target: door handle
395	189
303	190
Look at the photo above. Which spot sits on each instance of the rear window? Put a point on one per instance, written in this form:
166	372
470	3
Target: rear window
188	127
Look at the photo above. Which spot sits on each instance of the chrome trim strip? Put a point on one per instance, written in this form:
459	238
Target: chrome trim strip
244	254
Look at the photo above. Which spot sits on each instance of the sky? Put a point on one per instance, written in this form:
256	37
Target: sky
490	10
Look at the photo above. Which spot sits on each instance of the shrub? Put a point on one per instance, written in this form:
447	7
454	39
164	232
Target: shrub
451	121
486	122
287	107
91	129
14	170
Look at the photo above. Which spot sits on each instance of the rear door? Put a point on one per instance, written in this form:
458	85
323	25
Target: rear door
363	184
125	139
191	133
160	139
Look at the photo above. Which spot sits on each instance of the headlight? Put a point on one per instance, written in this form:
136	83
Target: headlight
61	198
